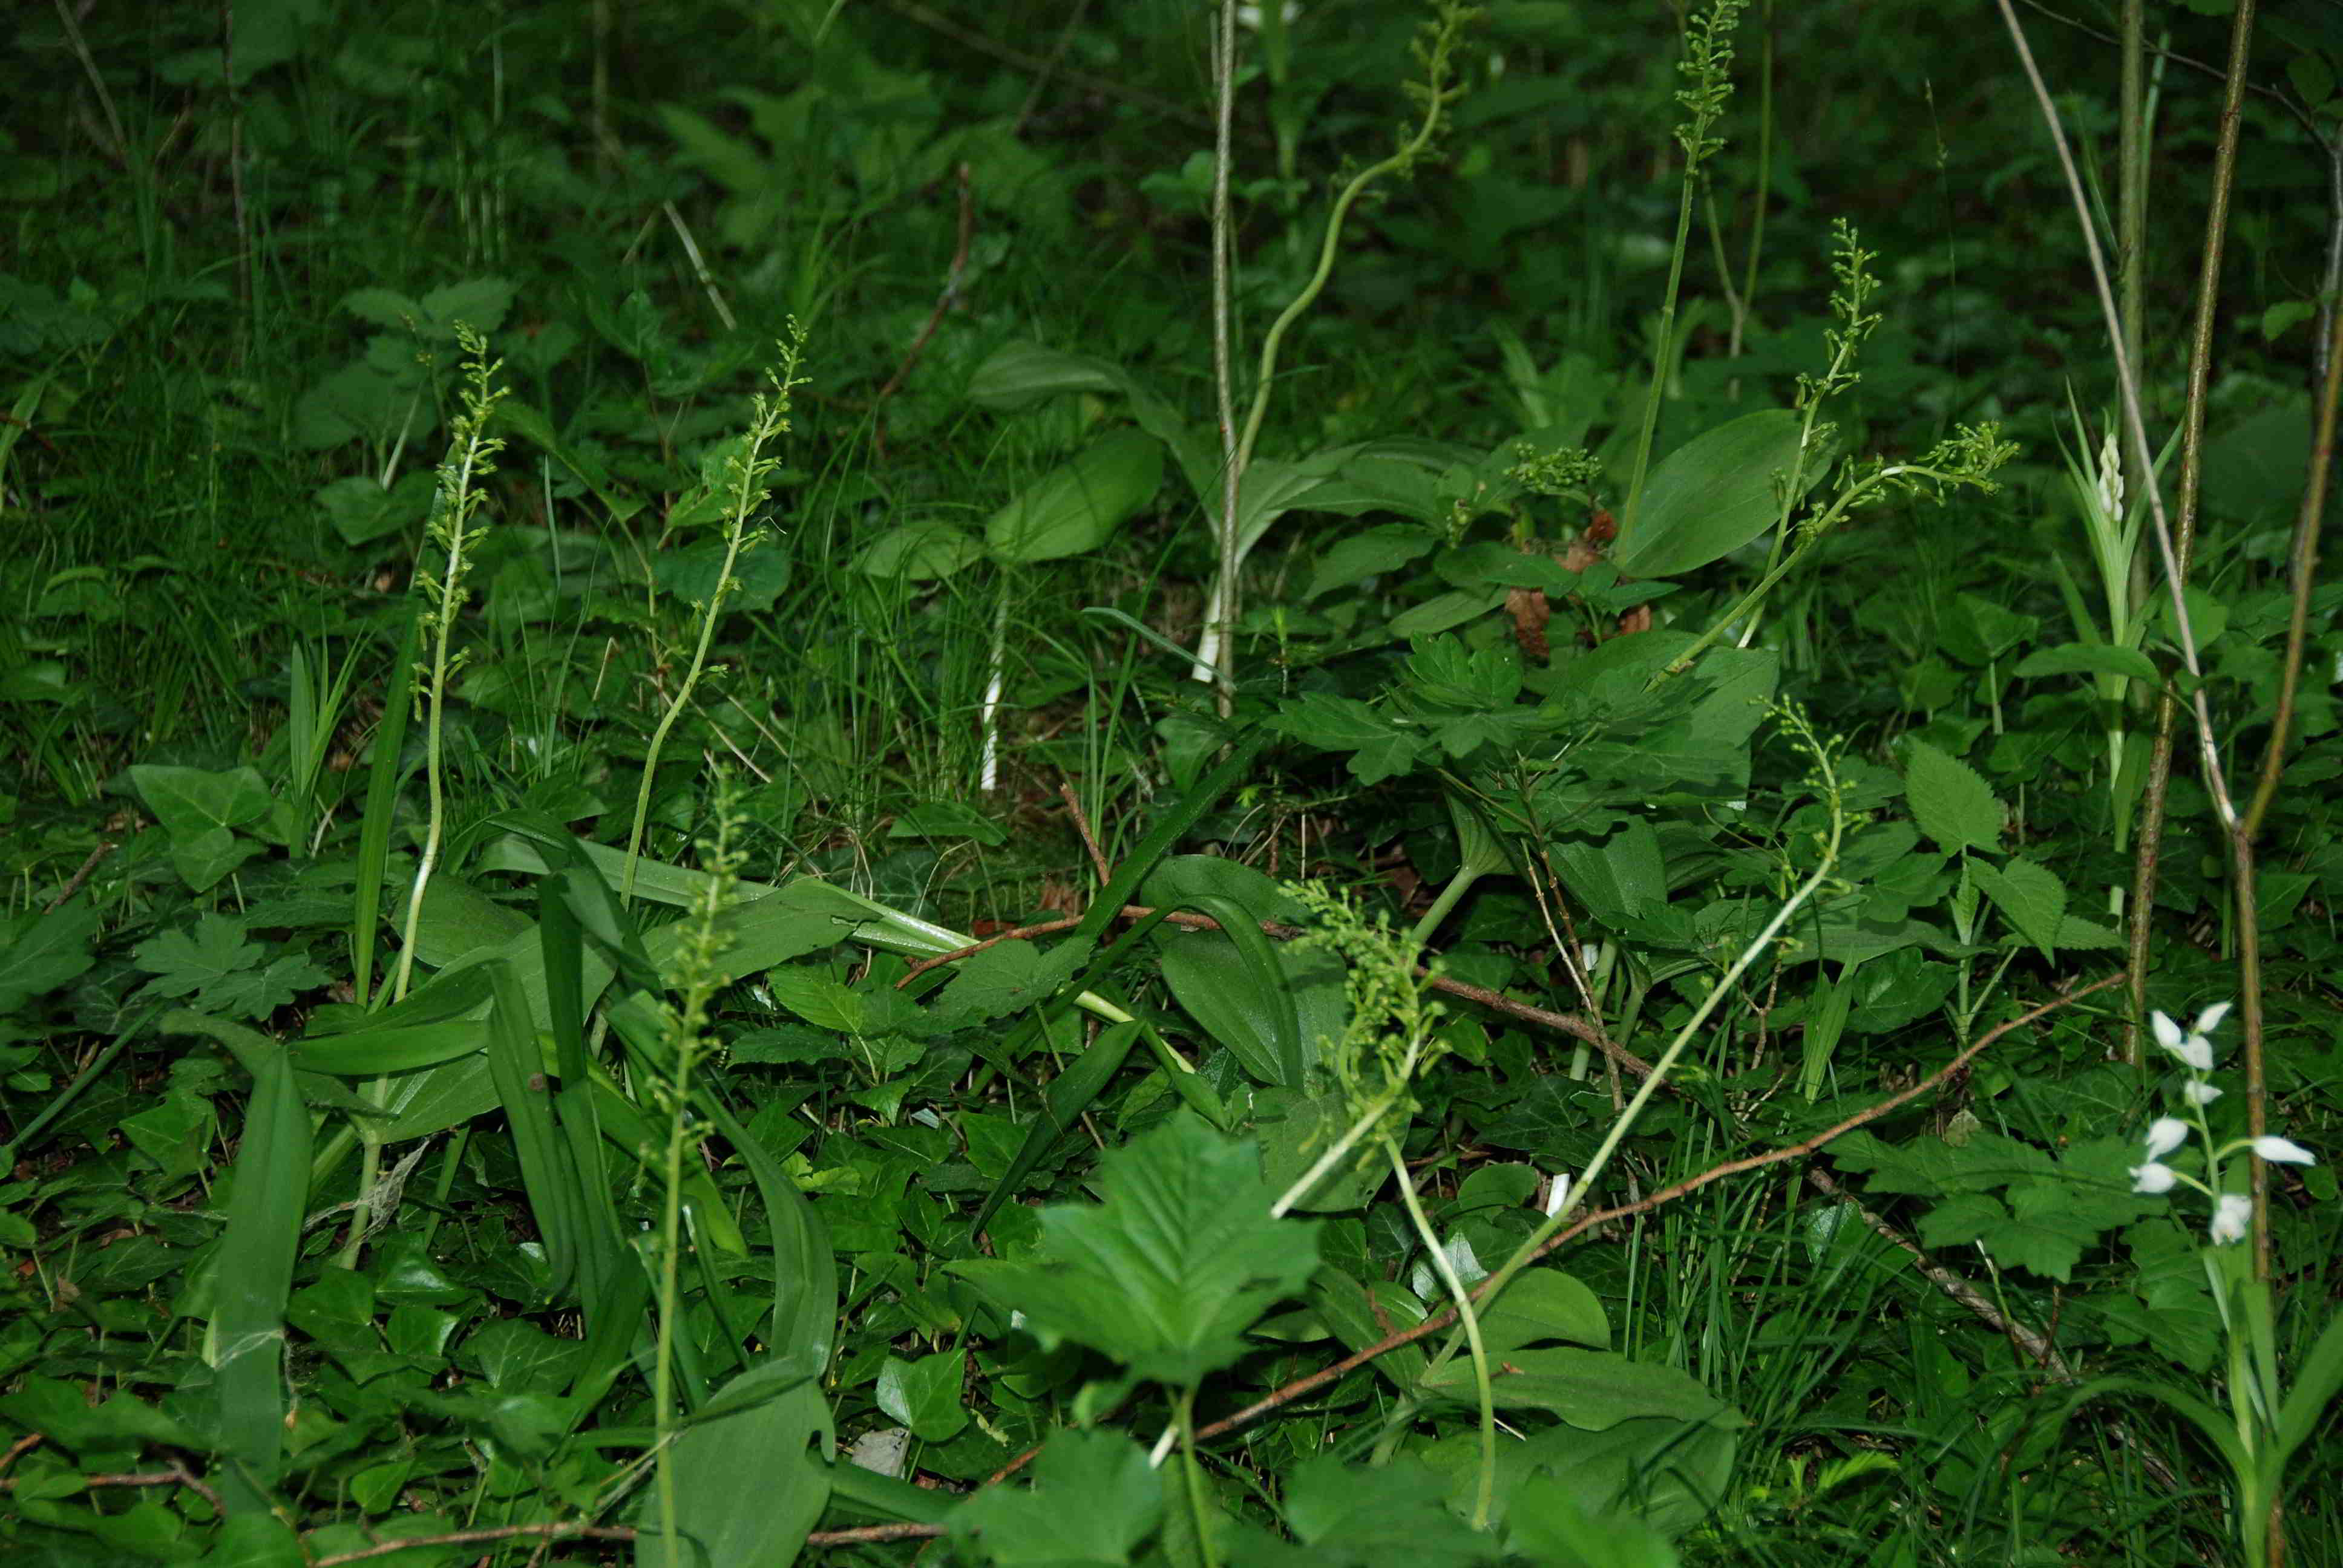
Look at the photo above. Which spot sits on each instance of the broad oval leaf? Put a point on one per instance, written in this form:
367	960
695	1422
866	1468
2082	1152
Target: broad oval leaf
922	551
1075	509
1018	375
1710	495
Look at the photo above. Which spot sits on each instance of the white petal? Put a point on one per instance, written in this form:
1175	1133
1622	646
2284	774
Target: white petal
2231	1215
1558	1194
2199	1092
2197	1051
2285	1150
2152	1177
2167	1033
2210	1018
2165	1134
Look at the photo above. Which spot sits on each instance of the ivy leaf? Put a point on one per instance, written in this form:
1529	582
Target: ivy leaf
1951	801
1167	1273
183	963
256	993
925	1394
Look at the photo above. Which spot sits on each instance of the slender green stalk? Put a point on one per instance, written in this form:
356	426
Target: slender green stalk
1827	780
1199	1504
688	1021
1469	1320
747	469
471	457
1707	64
1967	458
1437	49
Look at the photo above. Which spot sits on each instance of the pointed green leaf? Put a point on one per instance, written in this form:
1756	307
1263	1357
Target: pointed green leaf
1710	495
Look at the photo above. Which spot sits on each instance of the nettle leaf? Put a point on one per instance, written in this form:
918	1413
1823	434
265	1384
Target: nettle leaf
1950	799
1710	495
1094	1499
1443	670
2030	894
1167	1273
1380	749
2049	1242
1934	1167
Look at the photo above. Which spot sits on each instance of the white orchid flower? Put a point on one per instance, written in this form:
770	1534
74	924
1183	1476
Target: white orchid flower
2165	1134
2191	1047
2153	1177
2198	1092
2285	1150
2232	1216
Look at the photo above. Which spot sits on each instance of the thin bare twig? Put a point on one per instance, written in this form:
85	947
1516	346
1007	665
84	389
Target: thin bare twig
1082	825
81	877
949	297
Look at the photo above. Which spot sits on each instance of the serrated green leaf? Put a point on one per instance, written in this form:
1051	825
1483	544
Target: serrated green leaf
1094	1500
1165	1276
2030	895
1950	801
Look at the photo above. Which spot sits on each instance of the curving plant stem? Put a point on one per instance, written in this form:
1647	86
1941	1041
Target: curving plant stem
2174	568
1215	657
1220	618
2147	850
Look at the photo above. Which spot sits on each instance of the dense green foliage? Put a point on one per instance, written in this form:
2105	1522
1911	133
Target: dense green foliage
722	849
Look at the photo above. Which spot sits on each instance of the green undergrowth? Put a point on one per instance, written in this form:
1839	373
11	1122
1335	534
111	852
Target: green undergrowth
781	784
